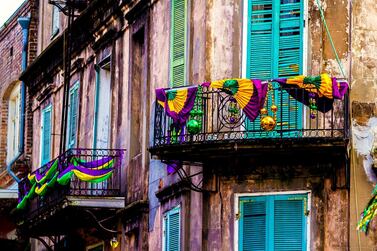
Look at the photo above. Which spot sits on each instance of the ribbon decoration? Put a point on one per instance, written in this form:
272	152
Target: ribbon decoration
325	88
177	103
369	213
45	178
249	94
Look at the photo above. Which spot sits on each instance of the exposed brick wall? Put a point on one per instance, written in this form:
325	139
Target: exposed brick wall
10	71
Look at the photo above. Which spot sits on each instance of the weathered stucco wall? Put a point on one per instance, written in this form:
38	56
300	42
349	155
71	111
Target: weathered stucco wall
364	117
328	197
215	52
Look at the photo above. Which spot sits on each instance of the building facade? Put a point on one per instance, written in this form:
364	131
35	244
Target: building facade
17	49
131	176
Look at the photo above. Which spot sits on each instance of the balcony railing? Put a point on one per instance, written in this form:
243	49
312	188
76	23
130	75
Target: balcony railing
96	158
223	121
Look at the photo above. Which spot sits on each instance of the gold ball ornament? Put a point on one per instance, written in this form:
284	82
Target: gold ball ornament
114	243
268	123
274	108
263	111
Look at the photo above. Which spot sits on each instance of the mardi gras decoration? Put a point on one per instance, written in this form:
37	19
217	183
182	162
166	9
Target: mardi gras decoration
194	126
177	104
249	94
369	213
45	178
268	123
318	92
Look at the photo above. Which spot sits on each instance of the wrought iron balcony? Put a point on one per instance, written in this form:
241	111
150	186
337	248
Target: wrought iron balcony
79	177
221	125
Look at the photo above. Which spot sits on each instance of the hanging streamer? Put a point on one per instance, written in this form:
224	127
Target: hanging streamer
249	94
323	88
46	178
369	213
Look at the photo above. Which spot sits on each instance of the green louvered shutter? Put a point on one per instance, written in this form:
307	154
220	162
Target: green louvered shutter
275	49
253	220
289	223
46	135
172	233
73	113
178	43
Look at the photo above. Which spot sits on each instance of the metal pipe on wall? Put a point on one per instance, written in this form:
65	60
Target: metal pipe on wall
24	23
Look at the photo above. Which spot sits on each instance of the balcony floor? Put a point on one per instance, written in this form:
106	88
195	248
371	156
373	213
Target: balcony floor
70	214
250	148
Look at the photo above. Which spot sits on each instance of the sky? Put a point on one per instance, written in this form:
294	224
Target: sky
7	8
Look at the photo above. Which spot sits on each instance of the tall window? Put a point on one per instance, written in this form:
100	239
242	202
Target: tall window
13	123
178	47
172	230
275	222
73	108
273	48
46	135
102	105
55	21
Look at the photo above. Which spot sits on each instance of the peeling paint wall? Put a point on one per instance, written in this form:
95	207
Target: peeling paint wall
364	117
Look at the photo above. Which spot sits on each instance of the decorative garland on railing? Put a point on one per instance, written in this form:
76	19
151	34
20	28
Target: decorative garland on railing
318	93
249	94
177	104
369	213
93	171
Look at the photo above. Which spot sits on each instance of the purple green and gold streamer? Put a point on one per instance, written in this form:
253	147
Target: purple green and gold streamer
369	213
326	89
249	94
46	177
177	103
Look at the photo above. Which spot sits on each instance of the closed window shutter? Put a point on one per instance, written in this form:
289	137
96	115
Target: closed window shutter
273	223
289	225
252	235
172	231
290	62
73	113
275	49
178	42
46	135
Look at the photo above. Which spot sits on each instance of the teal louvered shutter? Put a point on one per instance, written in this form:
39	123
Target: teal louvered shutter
73	114
172	232
252	225
275	49
289	62
260	53
178	42
46	135
273	223
290	223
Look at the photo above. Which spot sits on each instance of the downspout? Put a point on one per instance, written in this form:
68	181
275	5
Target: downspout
24	23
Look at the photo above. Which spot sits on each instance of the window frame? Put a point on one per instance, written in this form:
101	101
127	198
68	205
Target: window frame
15	101
164	229
75	87
55	21
244	47
238	196
44	110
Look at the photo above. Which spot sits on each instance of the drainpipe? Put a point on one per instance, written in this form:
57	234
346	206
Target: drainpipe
24	23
